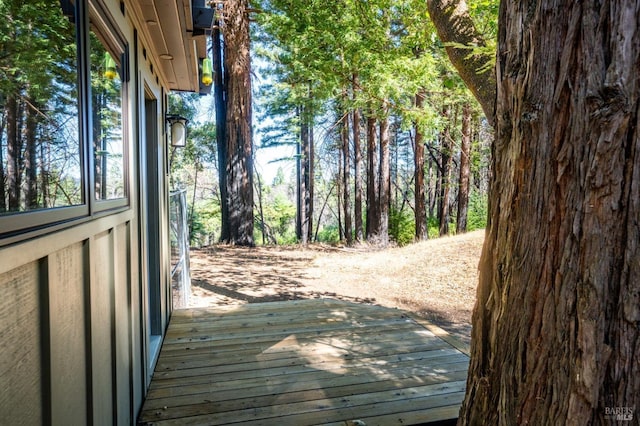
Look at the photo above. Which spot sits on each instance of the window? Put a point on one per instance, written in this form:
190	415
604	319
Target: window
41	165
63	147
107	129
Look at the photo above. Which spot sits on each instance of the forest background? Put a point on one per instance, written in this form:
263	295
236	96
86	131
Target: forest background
346	103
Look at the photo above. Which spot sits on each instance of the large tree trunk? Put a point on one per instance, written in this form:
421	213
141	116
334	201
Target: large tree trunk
556	325
373	212
239	142
221	123
420	198
456	29
463	181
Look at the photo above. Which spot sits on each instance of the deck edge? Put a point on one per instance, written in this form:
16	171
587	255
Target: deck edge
443	334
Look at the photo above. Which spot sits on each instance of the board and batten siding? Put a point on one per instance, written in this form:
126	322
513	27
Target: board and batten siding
72	348
78	298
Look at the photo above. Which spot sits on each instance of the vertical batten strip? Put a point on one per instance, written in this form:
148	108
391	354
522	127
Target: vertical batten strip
45	338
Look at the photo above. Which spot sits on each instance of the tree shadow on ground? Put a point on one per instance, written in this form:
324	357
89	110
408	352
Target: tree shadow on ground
258	275
282	295
226	275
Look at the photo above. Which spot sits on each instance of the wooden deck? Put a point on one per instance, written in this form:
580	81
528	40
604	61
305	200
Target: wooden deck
305	362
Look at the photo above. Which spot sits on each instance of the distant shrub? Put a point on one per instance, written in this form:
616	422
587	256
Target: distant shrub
402	226
433	227
478	211
329	234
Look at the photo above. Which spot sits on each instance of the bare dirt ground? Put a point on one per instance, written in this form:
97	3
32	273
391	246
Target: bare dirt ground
435	280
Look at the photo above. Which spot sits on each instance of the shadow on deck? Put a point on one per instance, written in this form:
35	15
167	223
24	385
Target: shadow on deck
305	362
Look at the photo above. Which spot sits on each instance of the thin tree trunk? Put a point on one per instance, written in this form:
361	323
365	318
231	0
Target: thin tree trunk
301	181
556	326
373	212
30	160
357	172
446	159
309	177
420	211
221	123
346	176
463	182
193	199
99	145
45	161
339	195
3	187
261	210
384	188
13	154
432	182
305	154
239	138
324	205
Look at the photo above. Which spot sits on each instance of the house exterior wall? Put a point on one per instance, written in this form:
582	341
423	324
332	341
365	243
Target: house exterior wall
74	297
71	349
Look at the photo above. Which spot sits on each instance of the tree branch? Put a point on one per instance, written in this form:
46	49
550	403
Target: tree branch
455	27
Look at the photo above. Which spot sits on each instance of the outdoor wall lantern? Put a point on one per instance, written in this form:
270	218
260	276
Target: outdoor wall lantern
178	130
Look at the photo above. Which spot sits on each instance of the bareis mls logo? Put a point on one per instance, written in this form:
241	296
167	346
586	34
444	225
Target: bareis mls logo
618	413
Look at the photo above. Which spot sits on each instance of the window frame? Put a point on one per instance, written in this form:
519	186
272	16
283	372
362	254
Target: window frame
101	23
19	226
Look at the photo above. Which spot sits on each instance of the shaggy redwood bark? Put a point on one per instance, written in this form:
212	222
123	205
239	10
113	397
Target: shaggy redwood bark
239	142
556	325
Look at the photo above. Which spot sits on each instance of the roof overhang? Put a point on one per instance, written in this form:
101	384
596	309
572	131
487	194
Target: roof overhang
176	32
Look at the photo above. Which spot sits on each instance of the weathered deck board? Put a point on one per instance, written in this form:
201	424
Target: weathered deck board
304	362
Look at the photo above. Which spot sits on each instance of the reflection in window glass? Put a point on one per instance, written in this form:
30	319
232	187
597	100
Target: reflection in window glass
40	163
106	93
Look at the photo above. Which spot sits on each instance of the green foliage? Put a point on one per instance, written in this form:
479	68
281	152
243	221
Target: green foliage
485	17
205	223
329	234
279	213
433	227
194	168
478	211
402	226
